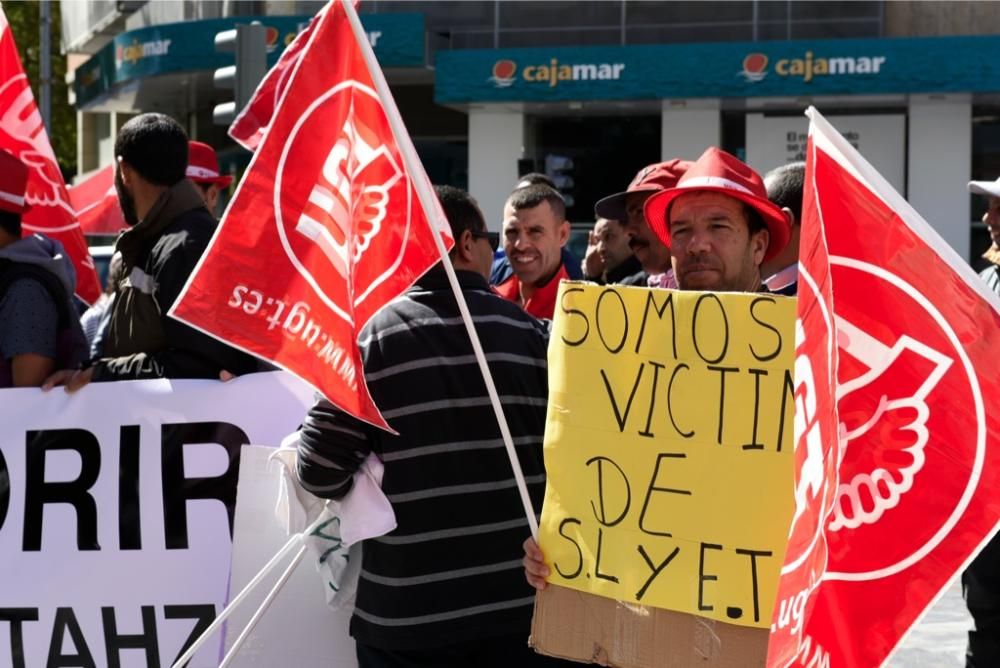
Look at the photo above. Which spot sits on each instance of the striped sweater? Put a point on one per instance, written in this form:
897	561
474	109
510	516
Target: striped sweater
451	571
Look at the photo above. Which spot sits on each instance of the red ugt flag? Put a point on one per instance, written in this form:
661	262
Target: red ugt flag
22	132
252	122
325	228
95	201
917	334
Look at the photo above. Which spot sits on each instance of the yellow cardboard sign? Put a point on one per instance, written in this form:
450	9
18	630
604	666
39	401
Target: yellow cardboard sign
668	448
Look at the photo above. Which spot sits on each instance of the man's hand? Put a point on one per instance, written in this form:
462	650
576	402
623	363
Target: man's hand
593	264
535	570
226	376
73	379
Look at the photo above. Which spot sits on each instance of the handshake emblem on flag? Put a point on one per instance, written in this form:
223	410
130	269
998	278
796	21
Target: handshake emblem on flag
336	200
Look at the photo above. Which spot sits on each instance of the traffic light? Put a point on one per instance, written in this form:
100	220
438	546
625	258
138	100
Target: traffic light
248	44
559	168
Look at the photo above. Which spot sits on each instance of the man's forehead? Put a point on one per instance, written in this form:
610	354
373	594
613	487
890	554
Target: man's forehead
704	198
540	213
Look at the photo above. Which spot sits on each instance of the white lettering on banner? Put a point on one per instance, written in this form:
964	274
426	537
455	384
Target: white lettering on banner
115	527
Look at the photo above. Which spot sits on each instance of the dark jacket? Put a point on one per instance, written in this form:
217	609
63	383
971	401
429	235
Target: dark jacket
158	256
628	270
43	260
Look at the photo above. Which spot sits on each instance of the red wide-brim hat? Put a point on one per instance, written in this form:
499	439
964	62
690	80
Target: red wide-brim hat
203	165
718	171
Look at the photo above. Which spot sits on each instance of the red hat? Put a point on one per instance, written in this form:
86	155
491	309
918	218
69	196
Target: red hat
203	165
718	171
13	181
658	176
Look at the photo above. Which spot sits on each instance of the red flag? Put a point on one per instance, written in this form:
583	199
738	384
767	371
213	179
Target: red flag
325	228
917	333
251	123
96	203
817	443
22	132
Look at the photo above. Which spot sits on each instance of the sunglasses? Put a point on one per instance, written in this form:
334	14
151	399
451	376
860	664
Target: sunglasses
493	238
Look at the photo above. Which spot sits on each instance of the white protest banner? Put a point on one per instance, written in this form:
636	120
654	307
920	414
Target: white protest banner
116	510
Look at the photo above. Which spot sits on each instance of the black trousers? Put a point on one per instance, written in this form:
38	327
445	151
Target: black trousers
498	652
981	587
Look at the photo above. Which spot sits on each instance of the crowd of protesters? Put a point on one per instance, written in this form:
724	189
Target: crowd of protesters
452	585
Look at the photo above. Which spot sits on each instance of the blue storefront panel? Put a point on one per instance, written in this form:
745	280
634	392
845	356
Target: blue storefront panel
749	69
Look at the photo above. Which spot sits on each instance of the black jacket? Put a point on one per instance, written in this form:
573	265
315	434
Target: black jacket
158	256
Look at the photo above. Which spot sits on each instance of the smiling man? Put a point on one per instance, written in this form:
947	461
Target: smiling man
719	225
534	232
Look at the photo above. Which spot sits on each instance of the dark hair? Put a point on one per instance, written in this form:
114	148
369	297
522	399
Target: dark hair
784	187
531	196
11	223
535	179
461	210
755	221
155	146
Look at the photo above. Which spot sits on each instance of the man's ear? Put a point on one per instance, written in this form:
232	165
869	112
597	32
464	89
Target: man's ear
464	246
758	245
563	233
790	216
126	170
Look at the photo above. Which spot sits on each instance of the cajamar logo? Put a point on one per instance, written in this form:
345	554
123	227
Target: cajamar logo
504	72
809	67
554	72
754	67
136	51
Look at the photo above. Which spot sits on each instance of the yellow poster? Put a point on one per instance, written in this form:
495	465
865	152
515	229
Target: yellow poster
668	448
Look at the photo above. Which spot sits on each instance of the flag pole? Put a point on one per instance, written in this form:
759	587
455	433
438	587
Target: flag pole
296	541
428	201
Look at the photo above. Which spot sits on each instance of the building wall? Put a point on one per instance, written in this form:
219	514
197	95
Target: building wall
929	19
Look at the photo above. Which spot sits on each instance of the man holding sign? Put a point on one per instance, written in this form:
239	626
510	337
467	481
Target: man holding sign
720	227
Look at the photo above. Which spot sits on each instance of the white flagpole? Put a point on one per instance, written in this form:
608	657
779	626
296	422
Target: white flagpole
428	201
295	541
248	629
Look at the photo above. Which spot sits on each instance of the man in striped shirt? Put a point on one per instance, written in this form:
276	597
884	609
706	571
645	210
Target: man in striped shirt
445	588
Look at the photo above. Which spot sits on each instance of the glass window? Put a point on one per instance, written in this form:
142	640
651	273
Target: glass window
563	37
831	11
835	29
606	151
651	13
742	32
539	14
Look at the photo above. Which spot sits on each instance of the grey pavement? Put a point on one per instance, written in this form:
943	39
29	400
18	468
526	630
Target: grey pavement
938	641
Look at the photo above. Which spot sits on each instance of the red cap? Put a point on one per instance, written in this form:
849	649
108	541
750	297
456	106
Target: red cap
658	176
13	181
718	171
203	165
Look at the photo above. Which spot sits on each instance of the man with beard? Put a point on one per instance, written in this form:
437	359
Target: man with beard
720	227
169	230
628	206
610	259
